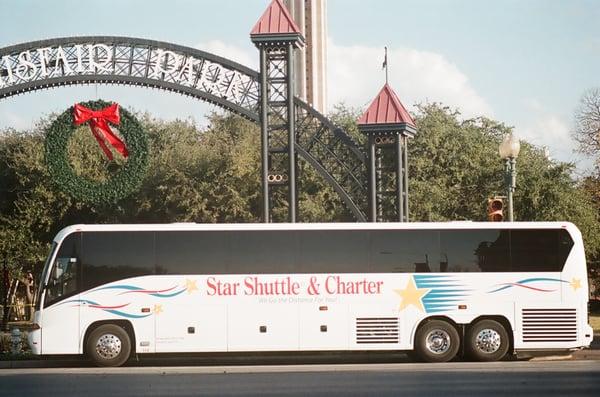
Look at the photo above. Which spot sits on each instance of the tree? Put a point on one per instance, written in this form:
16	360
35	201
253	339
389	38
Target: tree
453	165
587	122
587	134
591	186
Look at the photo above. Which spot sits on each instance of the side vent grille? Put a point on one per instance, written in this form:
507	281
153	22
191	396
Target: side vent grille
549	325
377	330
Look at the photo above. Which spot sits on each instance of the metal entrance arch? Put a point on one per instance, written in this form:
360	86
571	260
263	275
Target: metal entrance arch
187	71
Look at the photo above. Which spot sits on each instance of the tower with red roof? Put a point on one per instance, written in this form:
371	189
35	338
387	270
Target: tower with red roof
277	36
388	125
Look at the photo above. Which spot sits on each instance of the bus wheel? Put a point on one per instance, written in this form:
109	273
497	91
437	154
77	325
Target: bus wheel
108	346
437	341
487	340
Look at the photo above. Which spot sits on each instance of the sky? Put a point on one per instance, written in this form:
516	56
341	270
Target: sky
522	62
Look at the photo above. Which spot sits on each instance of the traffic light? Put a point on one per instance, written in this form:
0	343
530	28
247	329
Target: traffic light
495	209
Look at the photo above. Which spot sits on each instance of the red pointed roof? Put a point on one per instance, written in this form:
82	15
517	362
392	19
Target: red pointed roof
386	108
275	20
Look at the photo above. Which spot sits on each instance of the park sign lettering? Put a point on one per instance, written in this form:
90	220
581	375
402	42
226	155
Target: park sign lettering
114	59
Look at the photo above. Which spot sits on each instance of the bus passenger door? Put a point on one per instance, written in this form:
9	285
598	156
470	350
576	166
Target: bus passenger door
60	328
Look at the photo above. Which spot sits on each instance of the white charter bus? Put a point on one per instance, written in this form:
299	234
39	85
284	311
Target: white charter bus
434	289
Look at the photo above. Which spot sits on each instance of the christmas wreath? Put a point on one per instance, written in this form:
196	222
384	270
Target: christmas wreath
100	116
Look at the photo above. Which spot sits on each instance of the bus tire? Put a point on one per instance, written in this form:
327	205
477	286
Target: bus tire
437	341
487	340
108	346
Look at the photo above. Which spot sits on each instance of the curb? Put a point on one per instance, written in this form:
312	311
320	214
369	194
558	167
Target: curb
566	357
50	363
586	354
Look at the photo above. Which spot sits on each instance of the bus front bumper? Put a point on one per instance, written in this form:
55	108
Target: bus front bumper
588	335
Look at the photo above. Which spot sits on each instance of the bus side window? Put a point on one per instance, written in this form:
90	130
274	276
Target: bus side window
538	250
108	256
404	251
475	250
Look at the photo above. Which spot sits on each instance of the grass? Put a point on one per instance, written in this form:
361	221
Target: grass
595	322
6	345
16	357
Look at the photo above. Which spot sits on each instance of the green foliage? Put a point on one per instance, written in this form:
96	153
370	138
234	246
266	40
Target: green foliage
124	179
346	118
29	207
317	201
201	176
453	166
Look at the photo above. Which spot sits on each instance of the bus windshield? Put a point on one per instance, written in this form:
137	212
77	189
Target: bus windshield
42	286
61	275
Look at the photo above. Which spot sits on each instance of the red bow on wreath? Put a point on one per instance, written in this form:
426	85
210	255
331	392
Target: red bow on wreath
99	125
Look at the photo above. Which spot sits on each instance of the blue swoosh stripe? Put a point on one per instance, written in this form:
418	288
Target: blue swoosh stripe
429	285
444	293
501	289
434	299
432	277
527	281
123	314
449	290
531	280
436	310
438	307
78	301
168	295
127	287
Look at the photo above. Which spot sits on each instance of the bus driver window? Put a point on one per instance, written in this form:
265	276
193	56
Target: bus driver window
63	280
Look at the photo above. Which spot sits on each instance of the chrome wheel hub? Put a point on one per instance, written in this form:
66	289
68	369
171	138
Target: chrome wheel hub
438	341
488	341
108	346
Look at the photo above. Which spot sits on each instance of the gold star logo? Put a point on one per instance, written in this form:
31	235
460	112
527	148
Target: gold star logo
158	309
190	286
575	283
411	295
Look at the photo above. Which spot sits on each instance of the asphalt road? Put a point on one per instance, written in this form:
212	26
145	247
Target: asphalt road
547	378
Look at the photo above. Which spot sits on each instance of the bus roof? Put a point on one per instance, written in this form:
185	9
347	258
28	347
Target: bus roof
313	226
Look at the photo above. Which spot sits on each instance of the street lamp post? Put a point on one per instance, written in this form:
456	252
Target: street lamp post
509	150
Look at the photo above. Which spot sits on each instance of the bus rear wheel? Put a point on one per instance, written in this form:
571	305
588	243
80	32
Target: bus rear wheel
108	346
437	341
487	340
